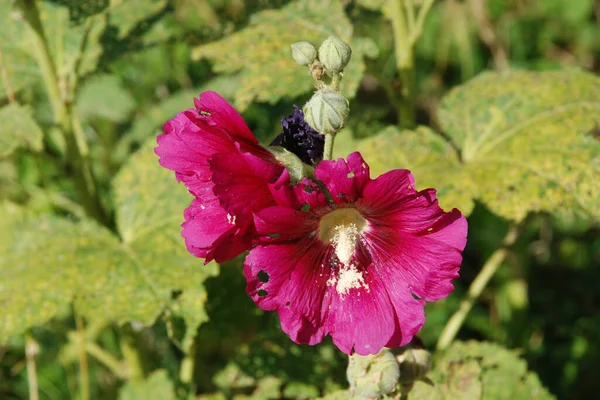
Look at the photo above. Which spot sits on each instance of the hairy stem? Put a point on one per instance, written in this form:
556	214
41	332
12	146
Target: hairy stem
328	151
63	114
31	350
479	283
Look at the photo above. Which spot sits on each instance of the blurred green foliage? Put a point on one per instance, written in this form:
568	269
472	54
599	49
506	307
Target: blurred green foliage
119	290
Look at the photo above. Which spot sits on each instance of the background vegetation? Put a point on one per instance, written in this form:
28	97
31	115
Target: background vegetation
98	297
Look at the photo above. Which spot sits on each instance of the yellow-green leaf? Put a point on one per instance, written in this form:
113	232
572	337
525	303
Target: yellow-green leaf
75	48
126	14
18	129
103	96
261	52
470	370
517	141
49	262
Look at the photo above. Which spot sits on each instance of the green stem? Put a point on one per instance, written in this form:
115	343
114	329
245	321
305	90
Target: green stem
64	117
132	356
186	372
403	49
481	280
84	375
31	350
415	33
328	151
108	360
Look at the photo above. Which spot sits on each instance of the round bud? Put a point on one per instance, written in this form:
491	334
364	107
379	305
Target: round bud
327	111
415	363
304	53
335	54
373	376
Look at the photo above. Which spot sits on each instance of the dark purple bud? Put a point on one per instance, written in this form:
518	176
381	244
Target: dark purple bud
299	138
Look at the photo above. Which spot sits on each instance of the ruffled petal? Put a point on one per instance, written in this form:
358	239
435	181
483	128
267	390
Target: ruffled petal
344	180
215	111
185	148
426	265
210	232
242	182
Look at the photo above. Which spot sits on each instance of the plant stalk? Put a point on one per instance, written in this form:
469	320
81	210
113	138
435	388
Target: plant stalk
31	350
479	283
63	114
84	375
403	49
328	151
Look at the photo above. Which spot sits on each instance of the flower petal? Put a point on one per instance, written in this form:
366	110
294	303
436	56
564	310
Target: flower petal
215	111
242	182
185	148
292	276
209	232
426	265
344	180
363	319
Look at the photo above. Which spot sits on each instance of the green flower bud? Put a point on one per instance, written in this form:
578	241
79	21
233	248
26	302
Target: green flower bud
373	376
304	53
335	54
415	363
327	111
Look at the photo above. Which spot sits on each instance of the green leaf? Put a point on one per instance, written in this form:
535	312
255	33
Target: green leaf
516	150
125	15
48	262
153	261
261	52
148	124
75	48
104	97
18	68
18	129
470	370
157	386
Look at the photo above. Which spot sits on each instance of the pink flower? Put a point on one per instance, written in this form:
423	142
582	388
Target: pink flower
216	156
358	266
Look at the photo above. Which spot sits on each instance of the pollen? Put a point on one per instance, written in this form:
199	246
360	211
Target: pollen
231	219
342	229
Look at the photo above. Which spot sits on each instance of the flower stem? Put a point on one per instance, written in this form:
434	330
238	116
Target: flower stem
328	151
31	350
479	283
63	114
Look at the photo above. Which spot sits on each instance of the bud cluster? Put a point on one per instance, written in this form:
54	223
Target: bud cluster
327	111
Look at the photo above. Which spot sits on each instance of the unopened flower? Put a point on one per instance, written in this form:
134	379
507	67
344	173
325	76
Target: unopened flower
216	156
357	261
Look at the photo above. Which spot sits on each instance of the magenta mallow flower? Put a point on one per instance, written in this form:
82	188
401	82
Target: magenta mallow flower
216	156
357	261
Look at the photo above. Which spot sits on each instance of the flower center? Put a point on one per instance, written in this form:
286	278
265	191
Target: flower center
341	229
